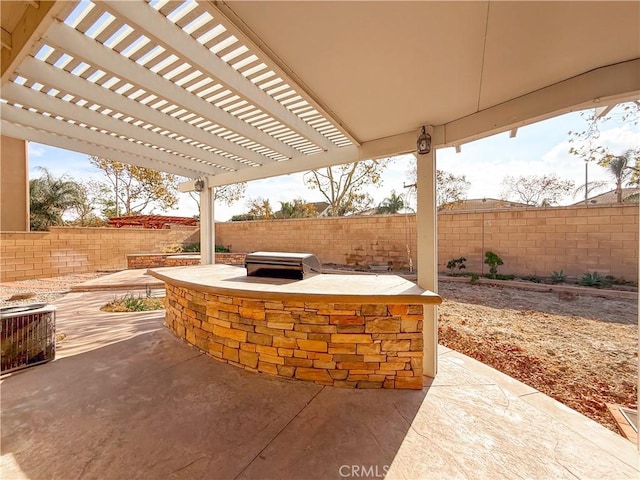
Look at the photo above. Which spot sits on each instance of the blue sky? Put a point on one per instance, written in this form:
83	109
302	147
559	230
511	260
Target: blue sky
541	148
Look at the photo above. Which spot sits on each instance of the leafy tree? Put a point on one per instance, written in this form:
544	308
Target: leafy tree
91	193
585	143
392	204
132	190
297	208
258	209
536	190
451	189
50	199
343	186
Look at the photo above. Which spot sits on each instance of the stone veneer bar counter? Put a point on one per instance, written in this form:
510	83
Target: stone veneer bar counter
358	331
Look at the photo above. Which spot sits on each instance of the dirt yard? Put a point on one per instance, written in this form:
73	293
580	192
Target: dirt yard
579	349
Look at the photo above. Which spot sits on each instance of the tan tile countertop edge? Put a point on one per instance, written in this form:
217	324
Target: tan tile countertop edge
232	281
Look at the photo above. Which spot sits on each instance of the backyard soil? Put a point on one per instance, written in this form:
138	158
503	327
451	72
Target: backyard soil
42	290
579	349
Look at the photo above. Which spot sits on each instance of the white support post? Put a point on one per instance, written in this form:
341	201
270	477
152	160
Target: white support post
427	253
207	226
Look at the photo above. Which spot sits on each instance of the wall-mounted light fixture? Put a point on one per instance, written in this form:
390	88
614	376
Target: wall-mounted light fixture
199	184
424	142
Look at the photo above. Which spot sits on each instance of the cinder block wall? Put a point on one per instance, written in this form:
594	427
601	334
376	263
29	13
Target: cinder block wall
343	240
538	241
66	250
531	241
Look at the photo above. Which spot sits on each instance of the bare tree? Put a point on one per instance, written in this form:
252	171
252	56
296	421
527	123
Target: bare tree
451	189
343	186
132	190
536	190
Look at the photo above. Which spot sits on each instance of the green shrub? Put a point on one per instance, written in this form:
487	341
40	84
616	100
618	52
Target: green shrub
475	278
558	277
594	279
499	276
191	247
456	263
532	278
195	247
494	261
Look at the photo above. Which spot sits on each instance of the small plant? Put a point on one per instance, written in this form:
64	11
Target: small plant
621	281
594	279
175	248
191	247
532	278
475	278
558	277
494	261
500	276
456	263
134	304
129	303
219	249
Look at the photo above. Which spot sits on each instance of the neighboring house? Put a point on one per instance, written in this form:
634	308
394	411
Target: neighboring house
481	204
629	195
321	208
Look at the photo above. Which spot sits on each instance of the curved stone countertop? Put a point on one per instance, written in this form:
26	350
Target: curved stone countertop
232	281
354	331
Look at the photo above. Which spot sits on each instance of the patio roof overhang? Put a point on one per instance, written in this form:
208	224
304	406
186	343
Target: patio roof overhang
237	91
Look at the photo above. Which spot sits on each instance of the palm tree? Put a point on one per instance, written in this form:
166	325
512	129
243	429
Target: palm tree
392	204
620	168
50	198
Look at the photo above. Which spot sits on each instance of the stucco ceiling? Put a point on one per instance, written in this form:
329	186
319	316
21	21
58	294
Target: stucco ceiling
242	90
388	67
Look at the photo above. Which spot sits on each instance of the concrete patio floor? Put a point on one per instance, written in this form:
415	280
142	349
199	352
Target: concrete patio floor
126	399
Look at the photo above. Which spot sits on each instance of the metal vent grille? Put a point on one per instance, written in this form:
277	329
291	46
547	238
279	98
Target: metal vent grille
28	336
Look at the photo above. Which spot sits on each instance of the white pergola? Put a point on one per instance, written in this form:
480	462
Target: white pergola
235	91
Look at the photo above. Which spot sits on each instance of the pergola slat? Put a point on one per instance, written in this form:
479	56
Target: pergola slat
68	110
35	69
80	46
158	28
57	127
73	144
83	47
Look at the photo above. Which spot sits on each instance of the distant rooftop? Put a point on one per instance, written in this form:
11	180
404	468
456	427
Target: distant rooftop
629	195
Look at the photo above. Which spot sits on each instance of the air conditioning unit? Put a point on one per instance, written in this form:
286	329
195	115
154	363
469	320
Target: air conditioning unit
27	335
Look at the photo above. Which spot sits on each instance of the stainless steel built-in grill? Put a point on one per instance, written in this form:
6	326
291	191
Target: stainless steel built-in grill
282	265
